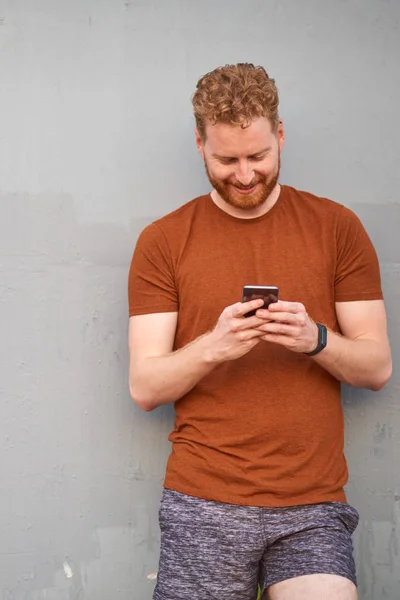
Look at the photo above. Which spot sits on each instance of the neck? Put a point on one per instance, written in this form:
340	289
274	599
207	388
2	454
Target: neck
242	213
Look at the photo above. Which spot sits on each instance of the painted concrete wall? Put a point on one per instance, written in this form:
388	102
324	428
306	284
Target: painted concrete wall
95	142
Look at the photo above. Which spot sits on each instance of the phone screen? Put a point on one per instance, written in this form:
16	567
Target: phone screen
269	293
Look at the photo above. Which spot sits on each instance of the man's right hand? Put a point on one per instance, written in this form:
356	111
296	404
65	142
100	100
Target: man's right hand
159	375
234	336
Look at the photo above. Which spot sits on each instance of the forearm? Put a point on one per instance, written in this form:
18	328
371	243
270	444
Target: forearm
361	363
164	379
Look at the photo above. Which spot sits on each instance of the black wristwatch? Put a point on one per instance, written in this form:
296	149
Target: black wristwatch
322	340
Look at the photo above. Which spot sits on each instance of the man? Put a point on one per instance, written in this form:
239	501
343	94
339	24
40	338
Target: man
254	485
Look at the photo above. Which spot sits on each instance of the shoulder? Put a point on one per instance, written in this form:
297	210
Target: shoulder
184	214
171	225
320	206
312	201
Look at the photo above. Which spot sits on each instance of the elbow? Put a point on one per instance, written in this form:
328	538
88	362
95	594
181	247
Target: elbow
146	406
140	398
382	379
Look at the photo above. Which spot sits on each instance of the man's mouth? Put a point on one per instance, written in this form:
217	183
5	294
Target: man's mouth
246	191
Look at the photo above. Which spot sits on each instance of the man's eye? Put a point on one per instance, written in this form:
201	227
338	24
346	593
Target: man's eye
227	161
258	158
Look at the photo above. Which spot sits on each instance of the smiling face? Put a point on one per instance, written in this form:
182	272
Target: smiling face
242	164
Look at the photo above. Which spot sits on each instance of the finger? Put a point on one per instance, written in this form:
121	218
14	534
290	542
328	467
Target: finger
241	326
248	334
251	334
282	317
274	328
281	340
241	308
288	307
249	323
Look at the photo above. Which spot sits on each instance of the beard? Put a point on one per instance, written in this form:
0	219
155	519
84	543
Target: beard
226	188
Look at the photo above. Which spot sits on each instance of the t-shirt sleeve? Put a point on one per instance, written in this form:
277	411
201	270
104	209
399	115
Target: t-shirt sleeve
151	283
357	274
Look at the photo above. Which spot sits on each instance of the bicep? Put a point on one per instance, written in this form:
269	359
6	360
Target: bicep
364	319
151	335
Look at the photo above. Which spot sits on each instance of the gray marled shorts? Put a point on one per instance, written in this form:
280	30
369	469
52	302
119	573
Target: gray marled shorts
216	551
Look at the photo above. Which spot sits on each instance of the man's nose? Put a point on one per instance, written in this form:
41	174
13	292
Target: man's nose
244	173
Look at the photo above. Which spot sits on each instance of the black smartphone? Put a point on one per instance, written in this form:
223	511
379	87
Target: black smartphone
269	293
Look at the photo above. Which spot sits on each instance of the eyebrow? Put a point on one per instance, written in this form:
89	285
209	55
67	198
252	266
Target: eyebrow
250	155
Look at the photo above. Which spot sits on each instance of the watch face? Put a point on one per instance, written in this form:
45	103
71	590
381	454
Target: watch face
323	336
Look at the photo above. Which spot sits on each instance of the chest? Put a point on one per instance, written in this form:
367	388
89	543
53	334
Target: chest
214	267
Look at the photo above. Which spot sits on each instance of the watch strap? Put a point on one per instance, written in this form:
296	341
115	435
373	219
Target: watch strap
322	340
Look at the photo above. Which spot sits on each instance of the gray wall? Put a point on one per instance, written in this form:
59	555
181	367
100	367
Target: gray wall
95	142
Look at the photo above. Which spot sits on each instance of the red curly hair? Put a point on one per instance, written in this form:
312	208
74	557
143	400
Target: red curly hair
235	95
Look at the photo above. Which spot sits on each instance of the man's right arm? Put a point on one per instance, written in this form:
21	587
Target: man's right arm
158	375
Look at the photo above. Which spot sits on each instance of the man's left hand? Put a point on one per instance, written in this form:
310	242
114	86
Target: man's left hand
288	324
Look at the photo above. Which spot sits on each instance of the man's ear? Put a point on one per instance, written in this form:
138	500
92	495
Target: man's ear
281	134
199	142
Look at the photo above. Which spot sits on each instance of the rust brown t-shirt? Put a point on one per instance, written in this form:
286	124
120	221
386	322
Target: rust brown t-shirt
266	429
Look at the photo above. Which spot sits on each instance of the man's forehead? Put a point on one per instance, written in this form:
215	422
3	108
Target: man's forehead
260	125
228	140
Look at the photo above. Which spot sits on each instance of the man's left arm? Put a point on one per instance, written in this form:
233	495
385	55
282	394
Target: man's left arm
359	356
